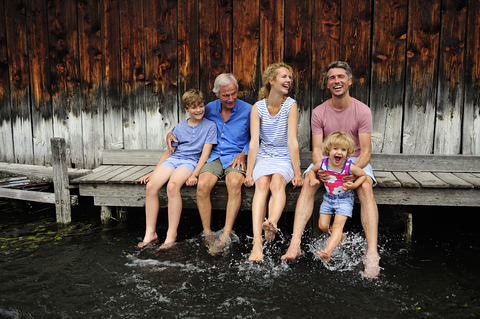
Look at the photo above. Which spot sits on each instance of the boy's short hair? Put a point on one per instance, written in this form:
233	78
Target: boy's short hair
192	97
338	138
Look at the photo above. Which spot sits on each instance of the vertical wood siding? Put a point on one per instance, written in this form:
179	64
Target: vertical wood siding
109	74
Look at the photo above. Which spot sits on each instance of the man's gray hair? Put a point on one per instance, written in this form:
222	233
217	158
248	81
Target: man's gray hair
223	79
338	64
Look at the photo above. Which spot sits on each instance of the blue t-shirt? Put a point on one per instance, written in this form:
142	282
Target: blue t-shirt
191	139
233	135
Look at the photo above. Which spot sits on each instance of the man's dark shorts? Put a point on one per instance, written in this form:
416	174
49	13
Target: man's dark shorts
216	168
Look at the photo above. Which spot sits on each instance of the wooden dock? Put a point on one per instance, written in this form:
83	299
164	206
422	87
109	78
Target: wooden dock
407	180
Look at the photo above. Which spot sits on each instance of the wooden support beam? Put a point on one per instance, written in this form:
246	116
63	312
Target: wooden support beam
60	181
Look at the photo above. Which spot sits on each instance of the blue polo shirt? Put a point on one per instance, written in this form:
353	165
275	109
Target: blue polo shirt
233	136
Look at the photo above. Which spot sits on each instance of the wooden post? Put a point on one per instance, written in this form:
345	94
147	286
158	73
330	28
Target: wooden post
60	181
105	215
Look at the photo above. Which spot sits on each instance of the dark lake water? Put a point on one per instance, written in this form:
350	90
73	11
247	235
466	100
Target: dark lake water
89	272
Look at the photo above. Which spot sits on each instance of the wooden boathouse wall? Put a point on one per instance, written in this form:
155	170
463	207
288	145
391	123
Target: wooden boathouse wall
109	74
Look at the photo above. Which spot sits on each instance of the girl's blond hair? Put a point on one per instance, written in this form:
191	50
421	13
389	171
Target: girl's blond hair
269	74
341	139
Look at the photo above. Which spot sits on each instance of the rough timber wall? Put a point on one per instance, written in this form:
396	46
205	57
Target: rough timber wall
109	74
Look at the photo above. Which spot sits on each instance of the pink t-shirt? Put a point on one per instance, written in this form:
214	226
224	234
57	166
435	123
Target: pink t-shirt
355	119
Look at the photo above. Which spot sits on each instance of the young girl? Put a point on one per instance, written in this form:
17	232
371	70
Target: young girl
196	137
273	156
339	196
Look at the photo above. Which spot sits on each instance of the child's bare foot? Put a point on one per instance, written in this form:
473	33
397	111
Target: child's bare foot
372	269
324	255
257	250
208	237
270	229
148	241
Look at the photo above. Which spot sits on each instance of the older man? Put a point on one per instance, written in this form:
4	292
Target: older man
341	113
227	158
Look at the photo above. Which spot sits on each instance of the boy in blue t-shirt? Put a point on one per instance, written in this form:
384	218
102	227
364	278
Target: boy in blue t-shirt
196	137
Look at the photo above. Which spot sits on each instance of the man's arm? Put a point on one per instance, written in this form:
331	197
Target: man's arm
317	154
365	144
170	139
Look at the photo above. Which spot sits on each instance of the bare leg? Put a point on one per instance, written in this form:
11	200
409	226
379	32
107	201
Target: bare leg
234	183
158	178
303	212
275	205
176	182
335	237
369	218
259	209
206	182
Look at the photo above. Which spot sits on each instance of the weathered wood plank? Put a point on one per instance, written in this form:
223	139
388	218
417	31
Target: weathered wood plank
448	125
272	27
133	74
21	116
326	45
63	209
137	175
135	157
64	77
188	50
428	180
39	172
42	126
112	74
471	107
298	54
428	197
453	180
40	197
471	178
246	48
6	135
387	179
405	179
162	105
388	74
127	171
90	51
355	45
215	42
421	76
436	163
98	174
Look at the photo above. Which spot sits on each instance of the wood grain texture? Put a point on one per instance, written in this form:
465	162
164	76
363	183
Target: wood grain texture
471	107
448	125
421	76
6	134
388	75
64	77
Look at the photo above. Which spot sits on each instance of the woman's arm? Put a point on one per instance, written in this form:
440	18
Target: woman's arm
293	145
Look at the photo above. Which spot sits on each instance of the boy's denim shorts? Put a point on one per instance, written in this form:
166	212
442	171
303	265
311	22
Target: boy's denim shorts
339	204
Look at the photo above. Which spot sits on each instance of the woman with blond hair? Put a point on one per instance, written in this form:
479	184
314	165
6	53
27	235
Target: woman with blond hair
273	156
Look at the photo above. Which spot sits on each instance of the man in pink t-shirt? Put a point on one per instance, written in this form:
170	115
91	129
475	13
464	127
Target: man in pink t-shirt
341	113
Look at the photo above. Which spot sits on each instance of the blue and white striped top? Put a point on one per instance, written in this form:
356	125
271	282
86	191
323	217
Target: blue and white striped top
273	155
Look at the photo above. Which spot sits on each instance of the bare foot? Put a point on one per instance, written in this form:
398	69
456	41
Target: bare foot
257	250
324	255
147	241
166	245
270	229
292	252
219	245
372	269
209	237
